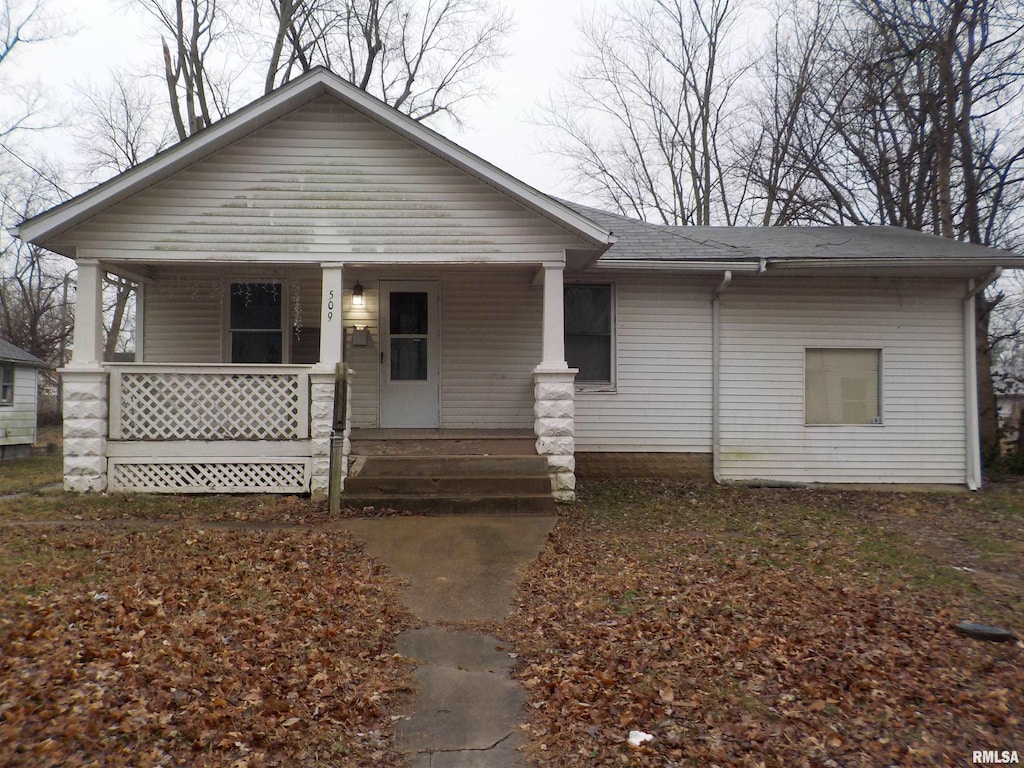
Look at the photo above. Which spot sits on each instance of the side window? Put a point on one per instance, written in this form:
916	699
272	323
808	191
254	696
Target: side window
6	385
588	332
842	386
255	323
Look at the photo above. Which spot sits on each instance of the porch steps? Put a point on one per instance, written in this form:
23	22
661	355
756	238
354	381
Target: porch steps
447	472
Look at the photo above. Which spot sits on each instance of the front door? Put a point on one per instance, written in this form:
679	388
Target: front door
409	355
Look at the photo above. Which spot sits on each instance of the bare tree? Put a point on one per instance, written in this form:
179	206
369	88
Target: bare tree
34	285
120	125
645	122
190	30
22	22
423	57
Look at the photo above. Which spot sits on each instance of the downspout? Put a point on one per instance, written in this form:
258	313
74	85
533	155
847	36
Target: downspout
973	430
716	353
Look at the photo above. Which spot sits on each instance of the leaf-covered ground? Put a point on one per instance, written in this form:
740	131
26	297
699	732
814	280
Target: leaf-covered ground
773	628
185	646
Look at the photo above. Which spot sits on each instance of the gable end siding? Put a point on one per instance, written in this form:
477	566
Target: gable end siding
323	183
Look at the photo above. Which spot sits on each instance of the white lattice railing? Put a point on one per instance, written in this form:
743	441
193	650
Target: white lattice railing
208	402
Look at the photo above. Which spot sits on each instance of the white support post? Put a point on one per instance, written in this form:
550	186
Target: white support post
553	349
554	392
332	316
88	349
322	379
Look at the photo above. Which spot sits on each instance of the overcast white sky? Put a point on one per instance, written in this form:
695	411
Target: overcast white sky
498	130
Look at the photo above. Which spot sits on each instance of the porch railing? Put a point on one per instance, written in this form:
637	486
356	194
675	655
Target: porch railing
208	402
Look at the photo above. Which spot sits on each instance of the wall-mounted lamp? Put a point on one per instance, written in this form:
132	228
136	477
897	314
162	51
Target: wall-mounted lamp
357	295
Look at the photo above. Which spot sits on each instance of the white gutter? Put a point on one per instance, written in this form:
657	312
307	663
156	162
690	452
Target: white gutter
679	266
971	417
716	353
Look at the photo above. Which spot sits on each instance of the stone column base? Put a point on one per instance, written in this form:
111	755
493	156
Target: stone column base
85	394
322	386
554	413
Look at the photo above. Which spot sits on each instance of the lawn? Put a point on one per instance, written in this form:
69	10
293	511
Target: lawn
767	627
735	626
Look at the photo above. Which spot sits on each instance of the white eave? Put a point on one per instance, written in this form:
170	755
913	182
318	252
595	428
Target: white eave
274	105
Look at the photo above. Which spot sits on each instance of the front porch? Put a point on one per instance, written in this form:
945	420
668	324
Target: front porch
176	422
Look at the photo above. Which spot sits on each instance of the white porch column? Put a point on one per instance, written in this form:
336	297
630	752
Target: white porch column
323	379
88	347
332	315
554	393
553	350
85	388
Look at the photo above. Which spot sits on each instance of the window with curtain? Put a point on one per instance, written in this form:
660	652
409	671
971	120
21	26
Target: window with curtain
588	332
843	386
256	323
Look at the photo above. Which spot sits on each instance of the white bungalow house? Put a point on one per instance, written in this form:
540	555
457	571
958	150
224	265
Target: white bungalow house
317	230
19	399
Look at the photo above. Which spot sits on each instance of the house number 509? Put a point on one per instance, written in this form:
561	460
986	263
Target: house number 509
330	306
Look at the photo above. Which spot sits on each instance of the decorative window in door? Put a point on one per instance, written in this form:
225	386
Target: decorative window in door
408	333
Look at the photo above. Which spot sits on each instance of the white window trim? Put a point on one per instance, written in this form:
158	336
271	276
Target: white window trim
286	336
13	384
603	387
881	388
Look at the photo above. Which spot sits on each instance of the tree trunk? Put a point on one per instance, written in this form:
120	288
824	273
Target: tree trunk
988	415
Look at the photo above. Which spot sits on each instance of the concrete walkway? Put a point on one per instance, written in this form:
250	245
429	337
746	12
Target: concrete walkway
467	709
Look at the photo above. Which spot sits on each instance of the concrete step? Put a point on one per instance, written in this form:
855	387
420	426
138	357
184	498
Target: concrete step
453	505
482	446
474	485
447	466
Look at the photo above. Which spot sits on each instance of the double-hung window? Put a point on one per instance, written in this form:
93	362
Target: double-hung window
256	332
589	321
6	385
842	386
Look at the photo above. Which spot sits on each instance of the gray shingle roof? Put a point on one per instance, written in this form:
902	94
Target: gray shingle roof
12	354
639	240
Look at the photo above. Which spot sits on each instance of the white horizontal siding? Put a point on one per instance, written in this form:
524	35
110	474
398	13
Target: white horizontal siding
185	308
19	419
766	327
662	397
490	344
319	183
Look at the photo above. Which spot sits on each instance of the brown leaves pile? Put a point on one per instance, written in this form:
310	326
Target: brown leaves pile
748	650
195	647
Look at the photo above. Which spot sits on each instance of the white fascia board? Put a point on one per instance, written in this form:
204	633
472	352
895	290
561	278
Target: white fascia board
980	263
274	105
705	267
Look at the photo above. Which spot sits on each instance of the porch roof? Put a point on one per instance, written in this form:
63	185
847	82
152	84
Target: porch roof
44	228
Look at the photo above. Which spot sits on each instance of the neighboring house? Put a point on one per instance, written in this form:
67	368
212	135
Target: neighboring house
319	227
1008	384
19	398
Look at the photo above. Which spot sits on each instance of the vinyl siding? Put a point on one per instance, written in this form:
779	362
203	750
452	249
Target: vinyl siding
185	315
320	183
19	419
662	397
918	326
490	333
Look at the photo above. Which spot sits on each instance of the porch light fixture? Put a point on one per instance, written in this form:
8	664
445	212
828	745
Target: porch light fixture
357	295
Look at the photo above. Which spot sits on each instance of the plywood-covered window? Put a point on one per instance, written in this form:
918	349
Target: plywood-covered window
6	385
843	386
256	323
588	332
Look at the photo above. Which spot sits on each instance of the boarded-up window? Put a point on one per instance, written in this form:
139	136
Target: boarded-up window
6	385
588	332
843	386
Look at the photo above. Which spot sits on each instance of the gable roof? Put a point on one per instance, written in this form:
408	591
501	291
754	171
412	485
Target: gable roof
285	99
12	354
759	248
